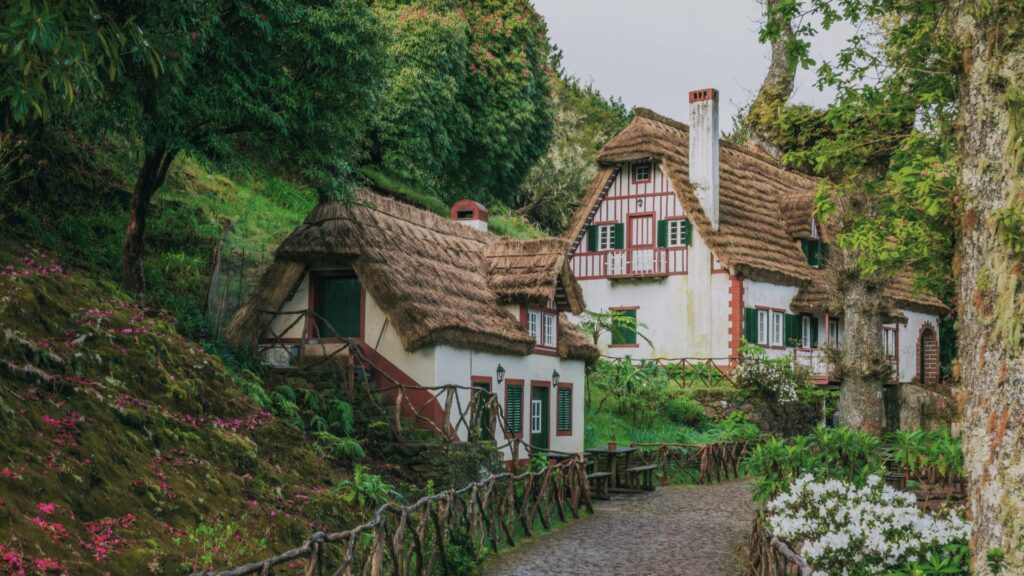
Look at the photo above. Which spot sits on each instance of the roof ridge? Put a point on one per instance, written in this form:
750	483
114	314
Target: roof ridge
643	112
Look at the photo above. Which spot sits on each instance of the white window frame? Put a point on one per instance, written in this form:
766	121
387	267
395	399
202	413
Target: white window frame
536	417
889	341
833	332
533	324
776	336
550	331
762	327
807	338
676	233
605	237
649	166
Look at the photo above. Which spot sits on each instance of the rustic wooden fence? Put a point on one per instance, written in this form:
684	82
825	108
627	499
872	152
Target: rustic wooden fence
769	556
701	462
709	372
406	540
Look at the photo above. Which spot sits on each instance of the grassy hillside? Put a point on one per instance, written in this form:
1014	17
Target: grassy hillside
127	449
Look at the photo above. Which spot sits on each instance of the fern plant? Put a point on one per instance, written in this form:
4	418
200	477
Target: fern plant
328	445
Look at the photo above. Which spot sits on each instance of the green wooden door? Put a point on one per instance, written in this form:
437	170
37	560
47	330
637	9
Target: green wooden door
338	306
540	418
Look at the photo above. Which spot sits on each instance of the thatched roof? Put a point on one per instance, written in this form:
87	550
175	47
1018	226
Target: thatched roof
533	271
749	241
430	275
818	296
797	211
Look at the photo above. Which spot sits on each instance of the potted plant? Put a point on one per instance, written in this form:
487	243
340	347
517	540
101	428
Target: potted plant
611	440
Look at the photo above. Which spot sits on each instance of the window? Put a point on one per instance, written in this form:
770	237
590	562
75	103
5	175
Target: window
807	332
550	330
625	335
833	332
815	251
337	305
564	399
642	172
776	338
536	416
606	237
677	232
602	237
889	340
533	325
514	407
762	327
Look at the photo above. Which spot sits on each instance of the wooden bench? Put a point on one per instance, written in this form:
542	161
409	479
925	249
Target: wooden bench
599	482
641	477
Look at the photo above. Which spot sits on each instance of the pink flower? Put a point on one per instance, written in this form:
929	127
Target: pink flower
46	565
46	507
126	330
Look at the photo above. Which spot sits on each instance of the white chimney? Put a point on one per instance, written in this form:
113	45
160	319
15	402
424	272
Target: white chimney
470	213
704	151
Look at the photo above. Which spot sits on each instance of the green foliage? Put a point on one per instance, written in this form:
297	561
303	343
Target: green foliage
366	489
55	54
614	322
328	445
933	455
839	453
467	94
214	545
538	462
952	558
778	379
687	411
462	554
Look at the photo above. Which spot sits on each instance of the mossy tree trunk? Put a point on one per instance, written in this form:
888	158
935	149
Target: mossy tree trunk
863	366
155	165
990	263
777	86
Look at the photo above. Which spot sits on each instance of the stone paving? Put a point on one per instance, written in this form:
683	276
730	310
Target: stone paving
676	530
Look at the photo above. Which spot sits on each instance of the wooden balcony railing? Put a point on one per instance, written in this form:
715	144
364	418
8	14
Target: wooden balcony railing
813	359
631	263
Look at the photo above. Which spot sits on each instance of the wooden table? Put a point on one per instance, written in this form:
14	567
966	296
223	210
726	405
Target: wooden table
620	483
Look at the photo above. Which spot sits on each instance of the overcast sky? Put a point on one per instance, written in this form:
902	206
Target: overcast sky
651	53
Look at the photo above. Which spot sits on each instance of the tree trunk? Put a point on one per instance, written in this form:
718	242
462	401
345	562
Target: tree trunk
989	285
776	88
155	165
863	366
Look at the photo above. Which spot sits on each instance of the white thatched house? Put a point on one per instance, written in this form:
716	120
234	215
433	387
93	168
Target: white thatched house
431	302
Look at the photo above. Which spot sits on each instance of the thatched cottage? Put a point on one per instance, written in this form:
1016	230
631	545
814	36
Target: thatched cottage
708	243
435	301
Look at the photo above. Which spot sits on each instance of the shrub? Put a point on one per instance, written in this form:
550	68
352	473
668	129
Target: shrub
779	379
687	411
873	529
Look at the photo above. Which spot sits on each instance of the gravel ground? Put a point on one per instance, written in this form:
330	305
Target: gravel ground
676	530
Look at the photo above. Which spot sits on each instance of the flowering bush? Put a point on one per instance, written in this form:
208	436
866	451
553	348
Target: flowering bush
780	379
857	531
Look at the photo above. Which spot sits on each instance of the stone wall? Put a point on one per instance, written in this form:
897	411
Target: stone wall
770	416
925	408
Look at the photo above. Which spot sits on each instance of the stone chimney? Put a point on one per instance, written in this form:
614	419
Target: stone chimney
470	213
704	151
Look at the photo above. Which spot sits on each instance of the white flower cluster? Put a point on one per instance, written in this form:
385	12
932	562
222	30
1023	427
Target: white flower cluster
848	530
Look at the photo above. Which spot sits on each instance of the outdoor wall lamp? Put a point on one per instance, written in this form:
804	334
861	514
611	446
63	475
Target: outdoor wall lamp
501	373
555	376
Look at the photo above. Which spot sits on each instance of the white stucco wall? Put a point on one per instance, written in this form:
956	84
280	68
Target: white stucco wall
457	366
908	336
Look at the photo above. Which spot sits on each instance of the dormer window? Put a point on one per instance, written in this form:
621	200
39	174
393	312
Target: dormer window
542	326
815	251
642	172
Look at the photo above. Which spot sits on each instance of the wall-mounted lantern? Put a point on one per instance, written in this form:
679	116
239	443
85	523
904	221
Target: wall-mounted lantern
555	377
501	373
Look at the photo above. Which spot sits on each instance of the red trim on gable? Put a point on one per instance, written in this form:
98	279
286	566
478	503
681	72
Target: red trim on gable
416	396
558	432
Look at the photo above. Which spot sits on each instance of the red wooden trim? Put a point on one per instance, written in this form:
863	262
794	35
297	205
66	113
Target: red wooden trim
509	383
545	351
573	399
623	308
540	383
605	223
735	316
623	345
415	395
676	218
481	379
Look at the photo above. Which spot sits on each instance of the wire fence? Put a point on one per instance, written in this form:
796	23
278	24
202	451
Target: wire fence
236	273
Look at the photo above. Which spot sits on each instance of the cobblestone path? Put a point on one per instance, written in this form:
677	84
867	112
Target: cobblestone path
677	530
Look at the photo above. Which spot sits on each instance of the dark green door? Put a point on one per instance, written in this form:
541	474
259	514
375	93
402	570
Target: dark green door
337	306
540	416
482	395
891	407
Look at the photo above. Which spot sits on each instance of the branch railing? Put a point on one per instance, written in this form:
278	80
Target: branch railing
769	556
439	409
702	463
407	540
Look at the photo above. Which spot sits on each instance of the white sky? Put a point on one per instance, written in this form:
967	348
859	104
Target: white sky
651	53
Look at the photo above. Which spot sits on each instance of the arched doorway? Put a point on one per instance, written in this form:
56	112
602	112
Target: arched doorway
928	357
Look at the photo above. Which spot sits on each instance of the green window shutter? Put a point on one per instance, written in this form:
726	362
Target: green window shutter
750	325
514	408
625	336
620	236
792	330
814	332
338	306
823	253
805	246
591	238
688	232
565	409
662	233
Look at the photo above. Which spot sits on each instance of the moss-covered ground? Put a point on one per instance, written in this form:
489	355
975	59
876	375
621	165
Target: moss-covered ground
127	449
